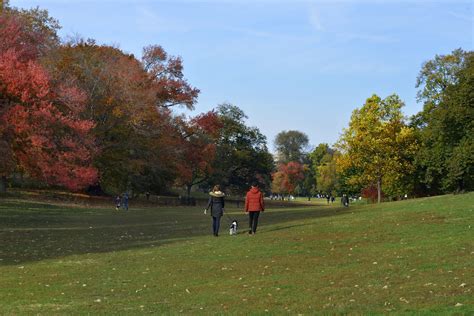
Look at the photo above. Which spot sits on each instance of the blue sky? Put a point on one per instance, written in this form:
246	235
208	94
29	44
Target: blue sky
301	65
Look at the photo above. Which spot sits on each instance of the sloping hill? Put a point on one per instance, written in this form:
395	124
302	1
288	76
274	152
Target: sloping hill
407	256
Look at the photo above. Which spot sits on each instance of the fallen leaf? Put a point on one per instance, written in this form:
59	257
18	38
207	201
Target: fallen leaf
404	300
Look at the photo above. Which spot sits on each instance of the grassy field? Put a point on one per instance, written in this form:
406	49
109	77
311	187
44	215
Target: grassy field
412	257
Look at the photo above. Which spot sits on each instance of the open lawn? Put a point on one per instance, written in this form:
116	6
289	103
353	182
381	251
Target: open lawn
414	256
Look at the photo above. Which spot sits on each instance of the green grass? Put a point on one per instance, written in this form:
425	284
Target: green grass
413	257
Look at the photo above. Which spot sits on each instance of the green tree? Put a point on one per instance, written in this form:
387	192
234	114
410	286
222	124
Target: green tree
437	75
445	126
308	184
315	158
327	177
378	145
241	153
291	146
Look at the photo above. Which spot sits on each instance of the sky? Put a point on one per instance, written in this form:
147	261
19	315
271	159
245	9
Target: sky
289	65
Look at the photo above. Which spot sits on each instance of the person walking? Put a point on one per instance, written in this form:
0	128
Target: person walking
125	201
216	205
118	199
345	200
254	205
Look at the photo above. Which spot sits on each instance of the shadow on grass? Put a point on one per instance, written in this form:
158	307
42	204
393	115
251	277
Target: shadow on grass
32	231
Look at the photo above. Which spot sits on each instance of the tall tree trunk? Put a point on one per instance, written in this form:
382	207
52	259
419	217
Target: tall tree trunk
379	190
3	184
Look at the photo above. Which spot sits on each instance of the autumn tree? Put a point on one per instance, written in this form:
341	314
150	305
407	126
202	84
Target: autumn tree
130	101
378	146
166	78
197	149
287	177
42	132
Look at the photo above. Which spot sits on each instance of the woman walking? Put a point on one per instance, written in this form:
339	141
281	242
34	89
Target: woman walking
216	205
254	205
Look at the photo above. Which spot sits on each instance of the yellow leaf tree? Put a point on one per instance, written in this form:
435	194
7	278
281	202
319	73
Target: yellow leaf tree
378	147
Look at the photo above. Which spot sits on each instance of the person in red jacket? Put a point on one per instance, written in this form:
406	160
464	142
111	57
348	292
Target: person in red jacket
254	205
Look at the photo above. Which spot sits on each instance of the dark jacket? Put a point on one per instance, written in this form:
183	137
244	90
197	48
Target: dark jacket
216	203
254	200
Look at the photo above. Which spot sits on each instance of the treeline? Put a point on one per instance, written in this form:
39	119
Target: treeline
383	154
78	115
85	116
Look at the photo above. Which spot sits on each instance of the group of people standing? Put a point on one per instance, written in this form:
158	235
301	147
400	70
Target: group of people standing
254	204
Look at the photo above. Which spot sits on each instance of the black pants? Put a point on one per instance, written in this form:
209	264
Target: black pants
253	221
216	221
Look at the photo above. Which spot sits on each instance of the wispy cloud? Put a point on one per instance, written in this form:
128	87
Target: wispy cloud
460	16
148	20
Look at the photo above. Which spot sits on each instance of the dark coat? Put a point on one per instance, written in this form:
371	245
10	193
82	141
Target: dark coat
216	204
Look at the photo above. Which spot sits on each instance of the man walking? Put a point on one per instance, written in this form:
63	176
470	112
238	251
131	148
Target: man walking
254	205
125	201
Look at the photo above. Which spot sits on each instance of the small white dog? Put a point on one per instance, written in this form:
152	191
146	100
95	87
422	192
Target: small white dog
233	228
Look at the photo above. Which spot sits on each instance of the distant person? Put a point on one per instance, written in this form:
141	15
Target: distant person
333	199
147	194
125	201
345	200
254	205
118	200
328	198
216	205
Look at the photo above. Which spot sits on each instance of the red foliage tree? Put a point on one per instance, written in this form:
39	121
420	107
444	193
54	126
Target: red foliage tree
41	131
130	102
287	177
371	193
197	149
167	79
